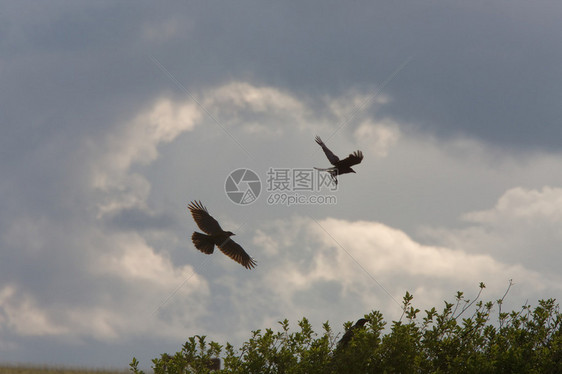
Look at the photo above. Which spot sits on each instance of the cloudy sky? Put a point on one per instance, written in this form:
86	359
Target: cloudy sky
114	116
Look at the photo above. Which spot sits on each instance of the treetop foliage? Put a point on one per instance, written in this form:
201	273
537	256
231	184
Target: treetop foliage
528	340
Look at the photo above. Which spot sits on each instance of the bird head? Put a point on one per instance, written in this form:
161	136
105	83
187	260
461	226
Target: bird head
361	322
229	233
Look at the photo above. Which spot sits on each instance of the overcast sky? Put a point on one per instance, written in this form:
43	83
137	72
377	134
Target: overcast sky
113	117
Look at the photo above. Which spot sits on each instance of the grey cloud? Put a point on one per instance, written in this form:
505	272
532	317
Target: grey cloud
140	219
75	74
485	71
323	294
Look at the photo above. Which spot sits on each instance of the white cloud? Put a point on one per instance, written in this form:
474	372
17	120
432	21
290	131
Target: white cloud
523	205
237	96
135	142
354	103
133	260
128	288
260	110
378	136
257	110
24	315
522	228
268	245
383	250
135	286
355	263
152	285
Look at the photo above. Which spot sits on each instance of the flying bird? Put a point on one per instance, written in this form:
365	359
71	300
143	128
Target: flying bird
216	236
340	166
350	332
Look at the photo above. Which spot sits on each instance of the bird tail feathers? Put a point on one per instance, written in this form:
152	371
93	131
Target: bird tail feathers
203	242
324	169
333	173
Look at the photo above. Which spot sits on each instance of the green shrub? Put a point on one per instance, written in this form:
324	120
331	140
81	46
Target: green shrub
528	340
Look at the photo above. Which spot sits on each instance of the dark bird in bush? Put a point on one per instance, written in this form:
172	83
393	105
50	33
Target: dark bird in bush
350	332
340	166
215	235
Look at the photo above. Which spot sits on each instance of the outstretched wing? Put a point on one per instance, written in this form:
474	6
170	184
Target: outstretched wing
237	253
331	157
352	159
203	219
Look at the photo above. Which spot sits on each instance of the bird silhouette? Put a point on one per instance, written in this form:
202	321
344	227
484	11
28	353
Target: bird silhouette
215	235
340	166
344	341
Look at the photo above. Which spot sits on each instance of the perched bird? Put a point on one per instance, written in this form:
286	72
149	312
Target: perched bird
340	166
350	332
216	236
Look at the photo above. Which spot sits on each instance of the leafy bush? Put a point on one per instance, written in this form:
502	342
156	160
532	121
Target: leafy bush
528	340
